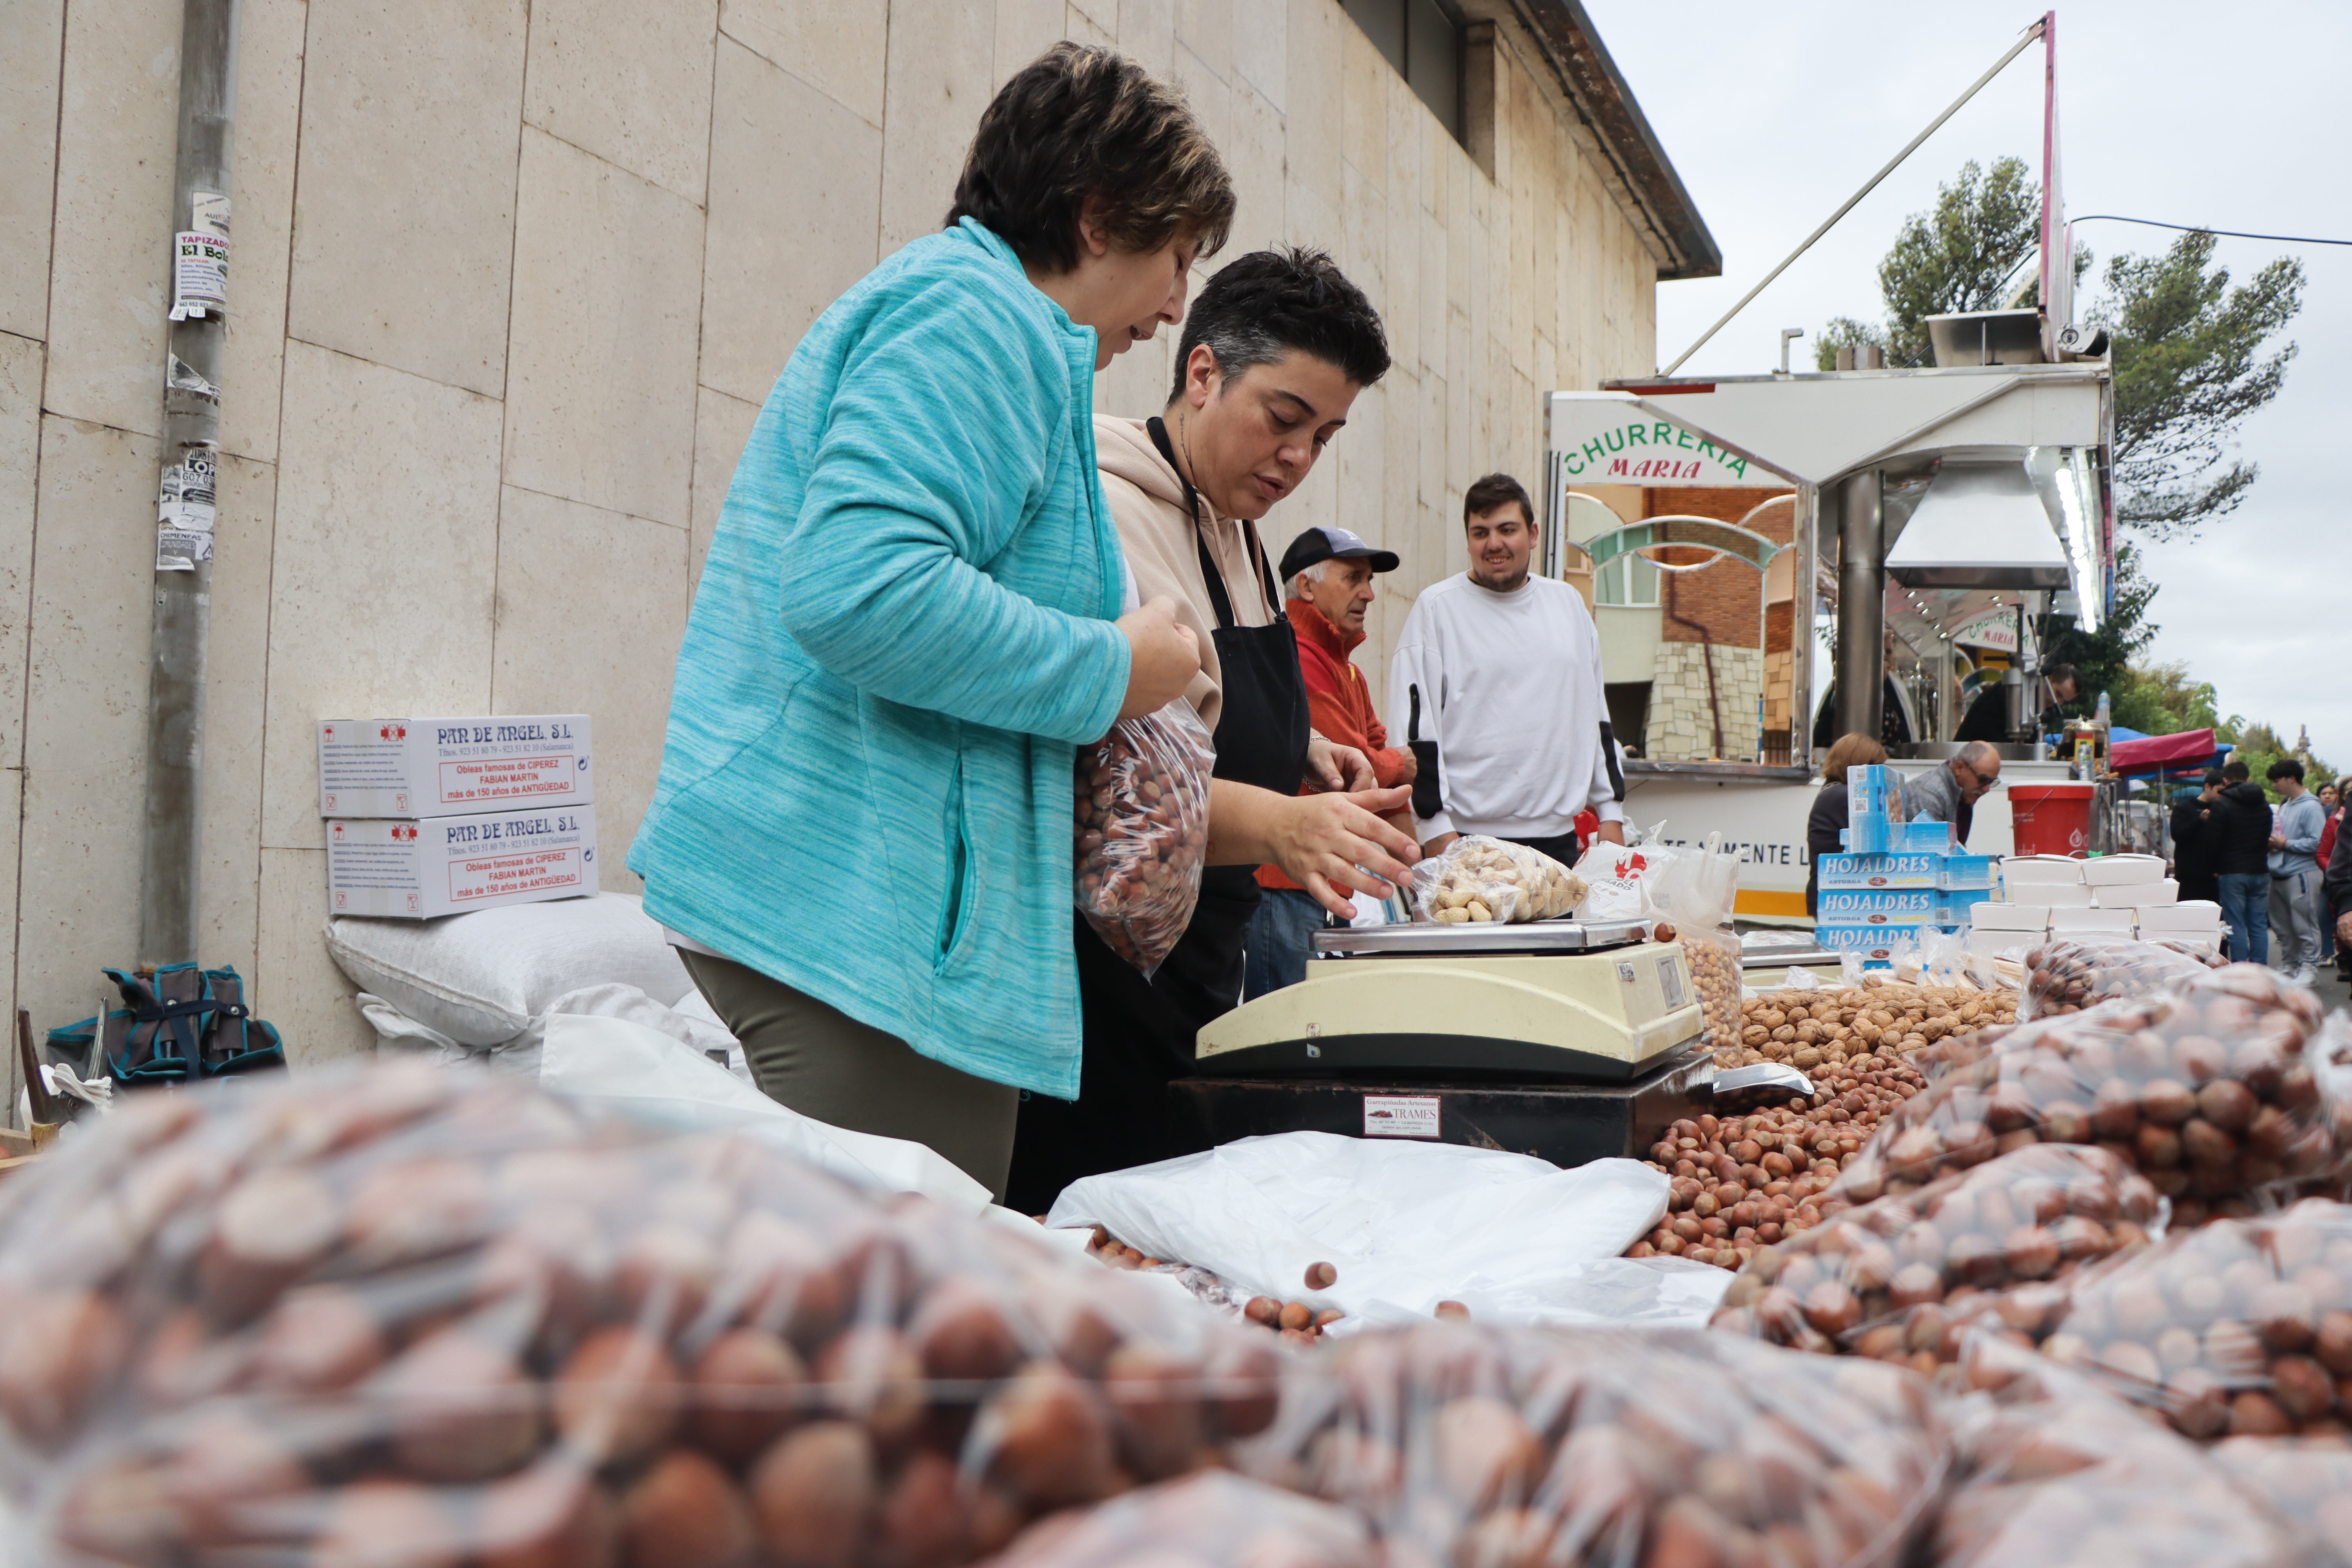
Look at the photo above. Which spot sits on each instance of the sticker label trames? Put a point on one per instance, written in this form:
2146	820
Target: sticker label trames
1401	1116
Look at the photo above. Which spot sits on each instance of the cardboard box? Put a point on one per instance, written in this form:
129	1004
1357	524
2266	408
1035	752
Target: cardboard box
1868	872
443	865
1965	873
2134	895
1876	944
1935	837
2195	915
2110	870
449	767
1957	907
1992	916
2060	895
1873	795
2040	869
2109	923
2004	943
1910	906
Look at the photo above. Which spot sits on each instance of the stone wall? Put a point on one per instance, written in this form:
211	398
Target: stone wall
1680	726
510	279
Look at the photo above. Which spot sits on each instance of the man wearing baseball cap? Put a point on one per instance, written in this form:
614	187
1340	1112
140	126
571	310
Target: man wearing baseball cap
1326	576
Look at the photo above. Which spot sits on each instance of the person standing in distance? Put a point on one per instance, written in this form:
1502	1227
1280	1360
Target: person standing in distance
1497	677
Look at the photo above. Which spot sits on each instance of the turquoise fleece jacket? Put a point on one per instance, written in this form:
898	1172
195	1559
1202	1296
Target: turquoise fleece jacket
903	629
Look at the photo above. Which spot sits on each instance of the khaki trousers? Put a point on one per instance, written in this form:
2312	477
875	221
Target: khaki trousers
822	1063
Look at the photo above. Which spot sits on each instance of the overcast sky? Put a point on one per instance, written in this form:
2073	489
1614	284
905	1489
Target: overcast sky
2234	117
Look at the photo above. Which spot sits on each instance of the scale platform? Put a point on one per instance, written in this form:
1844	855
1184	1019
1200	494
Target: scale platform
1540	1001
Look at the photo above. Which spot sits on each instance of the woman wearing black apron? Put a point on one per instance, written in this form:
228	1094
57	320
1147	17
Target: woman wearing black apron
1247	429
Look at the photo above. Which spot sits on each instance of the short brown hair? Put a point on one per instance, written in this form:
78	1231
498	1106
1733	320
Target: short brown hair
1084	122
1852	751
1493	492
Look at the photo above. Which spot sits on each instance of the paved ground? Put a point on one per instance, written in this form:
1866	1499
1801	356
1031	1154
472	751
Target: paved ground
2332	991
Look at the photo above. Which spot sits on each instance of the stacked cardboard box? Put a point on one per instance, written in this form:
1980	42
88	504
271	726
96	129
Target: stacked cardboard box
431	817
1897	881
2044	896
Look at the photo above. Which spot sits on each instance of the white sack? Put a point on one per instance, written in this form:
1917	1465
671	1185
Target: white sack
616	1065
1407	1225
480	978
693	1025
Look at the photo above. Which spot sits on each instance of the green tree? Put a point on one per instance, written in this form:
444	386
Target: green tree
1963	255
2188	366
2164	700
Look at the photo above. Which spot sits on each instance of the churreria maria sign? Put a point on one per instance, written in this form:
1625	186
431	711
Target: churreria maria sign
1602	438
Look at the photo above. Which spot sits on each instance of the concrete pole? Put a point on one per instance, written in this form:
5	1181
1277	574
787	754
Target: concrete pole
1862	605
179	630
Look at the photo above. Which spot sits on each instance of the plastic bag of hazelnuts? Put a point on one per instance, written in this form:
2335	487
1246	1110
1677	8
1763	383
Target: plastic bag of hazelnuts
420	1318
2208	1086
1206	1520
1473	1444
2238	1328
2068	976
1143	831
1902	1280
2054	1473
2305	1481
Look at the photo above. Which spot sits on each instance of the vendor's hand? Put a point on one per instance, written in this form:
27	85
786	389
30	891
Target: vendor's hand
1332	766
1165	657
1321	840
1438	846
1612	833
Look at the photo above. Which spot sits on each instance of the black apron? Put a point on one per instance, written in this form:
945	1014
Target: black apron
1139	1034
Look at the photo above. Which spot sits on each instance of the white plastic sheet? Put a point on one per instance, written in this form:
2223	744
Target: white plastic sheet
1406	1224
643	1073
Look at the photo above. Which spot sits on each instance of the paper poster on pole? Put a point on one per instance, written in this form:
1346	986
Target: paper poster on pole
199	258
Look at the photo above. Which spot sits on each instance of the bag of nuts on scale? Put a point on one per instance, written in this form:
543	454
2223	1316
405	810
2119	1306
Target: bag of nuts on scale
1475	1445
2068	976
1479	880
419	1317
1208	1520
1741	1182
1143	831
1694	896
2206	1087
1901	1279
2240	1328
2055	1474
1808	1029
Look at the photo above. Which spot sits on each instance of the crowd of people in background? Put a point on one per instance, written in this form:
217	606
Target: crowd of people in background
2274	870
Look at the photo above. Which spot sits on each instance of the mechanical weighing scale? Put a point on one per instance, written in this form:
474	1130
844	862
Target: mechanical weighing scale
1540	1001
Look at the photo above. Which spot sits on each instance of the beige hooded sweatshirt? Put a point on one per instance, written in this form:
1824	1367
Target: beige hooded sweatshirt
1147	503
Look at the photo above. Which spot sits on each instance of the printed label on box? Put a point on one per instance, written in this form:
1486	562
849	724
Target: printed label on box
1867	872
441	864
444	767
1401	1116
1873	907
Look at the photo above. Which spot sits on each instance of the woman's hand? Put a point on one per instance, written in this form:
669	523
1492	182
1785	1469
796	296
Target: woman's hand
1332	766
1320	841
1165	657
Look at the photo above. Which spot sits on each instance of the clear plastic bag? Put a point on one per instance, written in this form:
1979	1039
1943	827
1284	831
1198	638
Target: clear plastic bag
2206	1087
1208	1520
2068	976
2306	1482
416	1315
1479	880
1471	1444
2054	1474
1143	831
1694	896
2241	1327
1899	1280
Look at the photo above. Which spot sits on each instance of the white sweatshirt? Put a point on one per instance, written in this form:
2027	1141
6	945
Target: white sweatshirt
1508	688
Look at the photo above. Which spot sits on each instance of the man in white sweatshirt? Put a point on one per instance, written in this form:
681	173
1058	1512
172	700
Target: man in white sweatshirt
1496	688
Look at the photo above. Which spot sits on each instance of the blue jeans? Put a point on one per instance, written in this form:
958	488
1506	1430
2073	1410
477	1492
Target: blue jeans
2246	905
1275	949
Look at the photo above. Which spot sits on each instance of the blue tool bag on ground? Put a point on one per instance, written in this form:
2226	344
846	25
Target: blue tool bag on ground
181	1024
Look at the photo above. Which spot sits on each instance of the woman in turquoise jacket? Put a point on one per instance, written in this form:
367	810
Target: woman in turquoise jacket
909	619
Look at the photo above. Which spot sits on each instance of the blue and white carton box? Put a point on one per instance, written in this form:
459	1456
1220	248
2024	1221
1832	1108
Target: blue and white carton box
1970	873
1874	793
1890	906
443	865
1874	945
1866	873
1935	837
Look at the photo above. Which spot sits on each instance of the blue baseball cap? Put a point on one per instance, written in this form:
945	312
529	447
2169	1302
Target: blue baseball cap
1332	544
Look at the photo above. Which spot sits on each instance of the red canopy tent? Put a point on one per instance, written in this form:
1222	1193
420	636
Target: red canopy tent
2163	753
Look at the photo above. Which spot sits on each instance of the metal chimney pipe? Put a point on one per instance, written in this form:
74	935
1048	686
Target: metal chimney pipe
1862	605
179	629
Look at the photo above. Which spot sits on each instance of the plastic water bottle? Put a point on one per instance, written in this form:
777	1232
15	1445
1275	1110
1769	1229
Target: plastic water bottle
2102	715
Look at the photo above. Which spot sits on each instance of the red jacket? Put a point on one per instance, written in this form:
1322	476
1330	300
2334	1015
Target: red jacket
1340	705
2327	837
